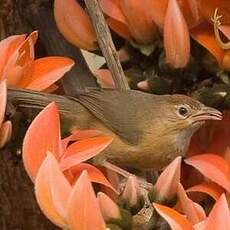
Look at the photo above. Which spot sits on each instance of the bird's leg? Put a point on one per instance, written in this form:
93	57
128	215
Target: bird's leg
116	169
142	182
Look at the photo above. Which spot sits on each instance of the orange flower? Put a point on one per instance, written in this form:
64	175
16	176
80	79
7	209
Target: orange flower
212	138
176	36
74	24
217	170
108	207
18	67
52	191
213	167
176	220
62	182
210	188
167	182
131	19
207	9
66	206
193	211
83	211
215	221
70	157
189	10
177	17
131	193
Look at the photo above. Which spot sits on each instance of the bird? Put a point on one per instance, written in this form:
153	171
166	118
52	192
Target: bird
148	130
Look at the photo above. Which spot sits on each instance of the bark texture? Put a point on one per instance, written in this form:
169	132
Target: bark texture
18	208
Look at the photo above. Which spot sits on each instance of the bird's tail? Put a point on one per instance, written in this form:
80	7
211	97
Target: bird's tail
36	100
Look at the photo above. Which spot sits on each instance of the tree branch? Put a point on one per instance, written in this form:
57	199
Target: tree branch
106	44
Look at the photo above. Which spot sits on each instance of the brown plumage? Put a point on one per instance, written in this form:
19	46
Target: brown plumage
148	130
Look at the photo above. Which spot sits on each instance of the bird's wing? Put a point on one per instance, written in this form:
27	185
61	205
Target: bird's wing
121	111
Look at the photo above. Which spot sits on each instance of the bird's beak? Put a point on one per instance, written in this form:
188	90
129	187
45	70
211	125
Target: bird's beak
207	113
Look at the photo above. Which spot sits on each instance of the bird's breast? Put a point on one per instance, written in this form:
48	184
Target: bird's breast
149	154
154	151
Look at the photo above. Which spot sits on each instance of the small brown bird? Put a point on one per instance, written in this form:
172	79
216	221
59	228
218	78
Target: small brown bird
149	130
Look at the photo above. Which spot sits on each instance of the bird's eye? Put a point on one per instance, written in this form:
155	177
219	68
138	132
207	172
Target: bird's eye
183	110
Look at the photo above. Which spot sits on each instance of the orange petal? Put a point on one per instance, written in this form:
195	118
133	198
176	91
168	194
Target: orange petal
207	8
113	10
131	191
20	62
174	219
104	78
3	96
199	226
226	60
95	174
5	133
191	12
167	182
212	189
160	8
120	28
219	217
43	135
80	135
83	208
213	167
83	150
26	50
52	191
139	17
74	24
176	36
188	8
46	71
108	207
194	213
7	48
204	35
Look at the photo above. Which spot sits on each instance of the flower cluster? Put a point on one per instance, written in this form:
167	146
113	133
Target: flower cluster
61	178
187	213
19	69
143	22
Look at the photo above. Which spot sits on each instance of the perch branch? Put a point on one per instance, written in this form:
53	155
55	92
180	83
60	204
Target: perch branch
106	44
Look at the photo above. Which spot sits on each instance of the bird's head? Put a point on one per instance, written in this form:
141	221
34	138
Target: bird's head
184	112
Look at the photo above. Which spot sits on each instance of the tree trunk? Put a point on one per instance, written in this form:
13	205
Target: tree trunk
18	208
